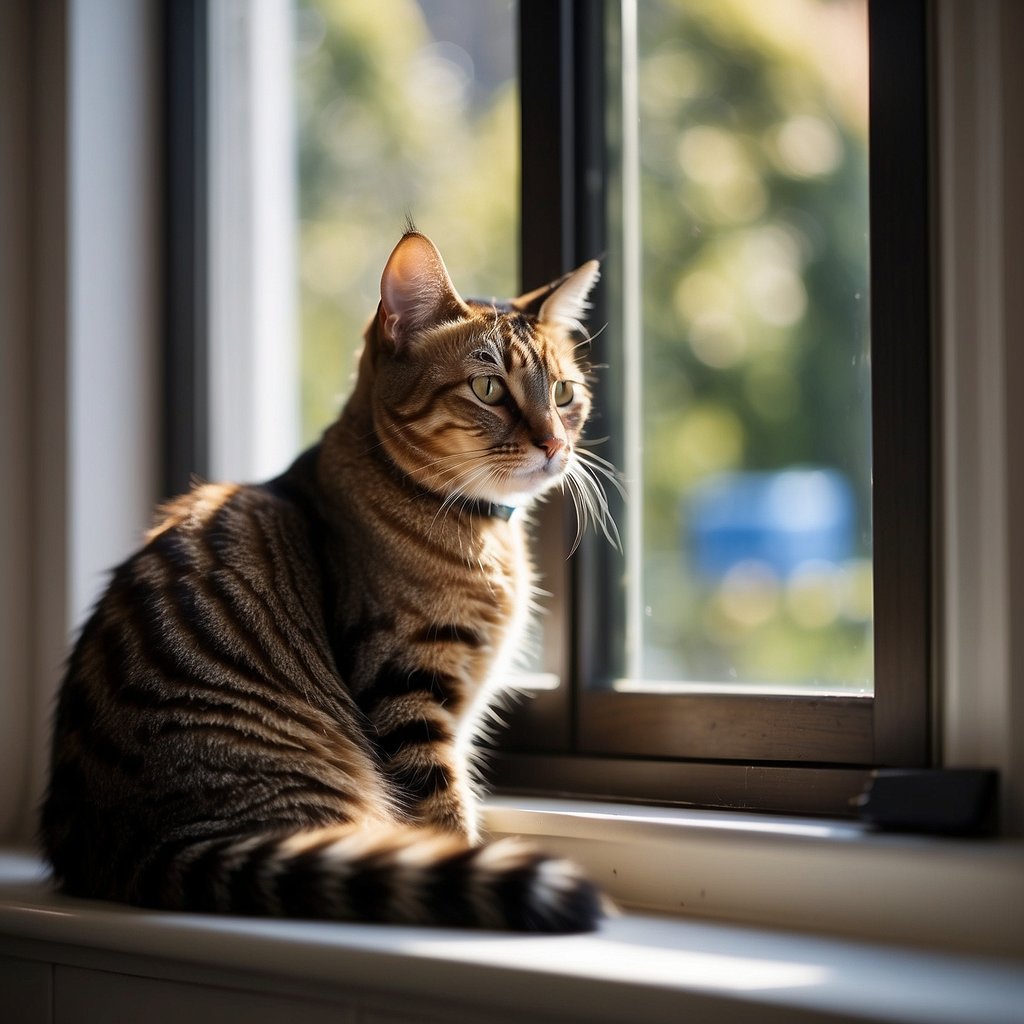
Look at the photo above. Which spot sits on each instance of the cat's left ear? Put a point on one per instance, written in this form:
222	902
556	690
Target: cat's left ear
563	302
415	290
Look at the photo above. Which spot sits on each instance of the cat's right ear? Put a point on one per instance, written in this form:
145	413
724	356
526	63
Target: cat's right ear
415	290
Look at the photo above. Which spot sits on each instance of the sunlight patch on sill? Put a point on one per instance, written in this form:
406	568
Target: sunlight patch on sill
595	819
652	965
736	823
682	688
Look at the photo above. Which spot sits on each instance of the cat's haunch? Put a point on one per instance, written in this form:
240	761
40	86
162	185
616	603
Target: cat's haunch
272	708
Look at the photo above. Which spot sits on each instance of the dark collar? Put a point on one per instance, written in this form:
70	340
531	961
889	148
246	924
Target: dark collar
474	506
490	510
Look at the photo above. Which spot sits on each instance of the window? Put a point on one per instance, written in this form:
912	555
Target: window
633	723
818	691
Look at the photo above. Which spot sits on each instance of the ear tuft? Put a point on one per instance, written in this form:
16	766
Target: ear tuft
567	305
415	289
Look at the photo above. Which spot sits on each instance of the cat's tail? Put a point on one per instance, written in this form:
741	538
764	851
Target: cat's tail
393	875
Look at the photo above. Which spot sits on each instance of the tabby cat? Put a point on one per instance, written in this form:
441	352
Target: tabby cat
272	707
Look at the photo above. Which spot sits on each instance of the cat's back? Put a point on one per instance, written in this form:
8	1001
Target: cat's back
228	570
202	685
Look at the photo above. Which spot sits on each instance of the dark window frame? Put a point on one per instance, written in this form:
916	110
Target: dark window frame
772	752
186	343
777	753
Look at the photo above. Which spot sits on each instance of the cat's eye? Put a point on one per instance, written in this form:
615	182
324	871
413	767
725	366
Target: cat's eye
490	389
564	392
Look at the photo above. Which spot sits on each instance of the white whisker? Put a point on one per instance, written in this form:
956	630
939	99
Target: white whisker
589	496
591	462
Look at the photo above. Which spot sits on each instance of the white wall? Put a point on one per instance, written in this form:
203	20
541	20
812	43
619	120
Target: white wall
980	307
114	270
79	309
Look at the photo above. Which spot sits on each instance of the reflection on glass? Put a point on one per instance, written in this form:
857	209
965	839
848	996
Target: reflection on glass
743	220
403	107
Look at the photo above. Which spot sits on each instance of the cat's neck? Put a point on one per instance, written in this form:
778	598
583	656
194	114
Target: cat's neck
349	471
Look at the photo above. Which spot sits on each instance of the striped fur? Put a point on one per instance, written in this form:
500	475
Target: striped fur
272	707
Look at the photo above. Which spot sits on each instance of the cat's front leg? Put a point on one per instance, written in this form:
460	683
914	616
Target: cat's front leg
437	792
414	716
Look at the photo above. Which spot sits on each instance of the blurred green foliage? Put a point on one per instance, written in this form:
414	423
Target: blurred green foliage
753	135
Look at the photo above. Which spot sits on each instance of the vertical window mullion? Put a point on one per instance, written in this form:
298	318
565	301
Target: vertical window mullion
547	250
563	202
545	62
901	379
186	278
598	609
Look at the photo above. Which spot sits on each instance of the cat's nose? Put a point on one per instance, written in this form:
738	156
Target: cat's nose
551	445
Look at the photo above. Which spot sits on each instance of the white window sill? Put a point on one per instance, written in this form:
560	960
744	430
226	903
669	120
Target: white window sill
804	874
675	968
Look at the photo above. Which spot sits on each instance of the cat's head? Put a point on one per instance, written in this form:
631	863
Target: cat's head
480	401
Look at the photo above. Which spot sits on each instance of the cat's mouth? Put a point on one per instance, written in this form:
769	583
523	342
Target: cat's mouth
535	474
524	476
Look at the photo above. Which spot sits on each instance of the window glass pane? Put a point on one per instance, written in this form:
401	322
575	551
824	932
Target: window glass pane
403	107
739	281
